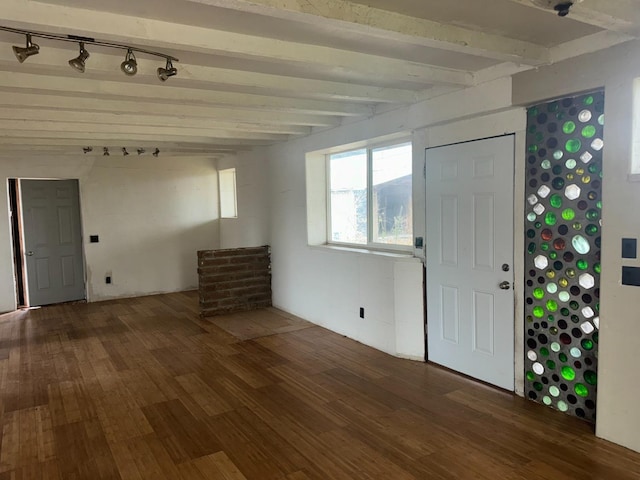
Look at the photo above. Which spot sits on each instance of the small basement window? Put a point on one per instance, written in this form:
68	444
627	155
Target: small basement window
228	195
635	136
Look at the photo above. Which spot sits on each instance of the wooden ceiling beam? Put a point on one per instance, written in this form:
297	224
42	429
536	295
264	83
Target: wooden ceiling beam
16	126
106	138
127	90
100	120
393	26
75	103
57	143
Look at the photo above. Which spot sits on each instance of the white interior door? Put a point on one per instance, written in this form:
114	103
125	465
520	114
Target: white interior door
52	241
469	238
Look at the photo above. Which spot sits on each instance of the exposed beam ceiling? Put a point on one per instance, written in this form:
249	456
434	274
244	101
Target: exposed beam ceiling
257	72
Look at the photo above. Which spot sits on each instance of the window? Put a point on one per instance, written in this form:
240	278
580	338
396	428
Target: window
370	197
227	186
635	148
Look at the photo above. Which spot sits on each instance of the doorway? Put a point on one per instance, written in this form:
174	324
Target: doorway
47	233
469	266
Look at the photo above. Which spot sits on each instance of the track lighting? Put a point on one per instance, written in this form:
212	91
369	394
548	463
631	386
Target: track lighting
22	53
130	65
168	71
125	152
78	62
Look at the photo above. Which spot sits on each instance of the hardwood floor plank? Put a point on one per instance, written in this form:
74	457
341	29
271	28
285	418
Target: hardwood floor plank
257	450
184	437
207	398
144	388
83	452
217	466
119	415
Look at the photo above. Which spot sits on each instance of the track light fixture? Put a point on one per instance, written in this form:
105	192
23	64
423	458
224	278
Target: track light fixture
78	62
22	53
125	152
129	66
168	71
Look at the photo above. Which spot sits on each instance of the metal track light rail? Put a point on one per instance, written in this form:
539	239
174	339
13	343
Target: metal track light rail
129	66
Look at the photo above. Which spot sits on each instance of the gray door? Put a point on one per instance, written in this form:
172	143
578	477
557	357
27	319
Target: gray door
52	240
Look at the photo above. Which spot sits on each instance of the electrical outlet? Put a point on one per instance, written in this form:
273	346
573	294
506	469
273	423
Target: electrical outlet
361	312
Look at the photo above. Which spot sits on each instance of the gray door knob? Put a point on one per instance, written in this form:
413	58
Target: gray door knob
30	254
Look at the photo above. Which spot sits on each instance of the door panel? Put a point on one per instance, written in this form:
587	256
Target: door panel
42	273
65	227
483	228
483	322
469	237
449	230
52	241
450	316
68	273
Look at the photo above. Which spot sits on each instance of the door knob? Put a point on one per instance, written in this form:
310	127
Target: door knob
504	285
30	254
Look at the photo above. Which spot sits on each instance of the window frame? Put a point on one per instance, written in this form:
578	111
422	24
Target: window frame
233	192
634	164
370	245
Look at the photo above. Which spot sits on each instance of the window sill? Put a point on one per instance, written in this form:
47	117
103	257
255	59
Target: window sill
634	177
400	256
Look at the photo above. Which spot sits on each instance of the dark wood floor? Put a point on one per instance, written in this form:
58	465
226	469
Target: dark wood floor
144	388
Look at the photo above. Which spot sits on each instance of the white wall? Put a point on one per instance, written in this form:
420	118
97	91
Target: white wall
152	215
619	360
327	285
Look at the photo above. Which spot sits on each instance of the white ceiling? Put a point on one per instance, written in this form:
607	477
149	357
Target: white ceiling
256	72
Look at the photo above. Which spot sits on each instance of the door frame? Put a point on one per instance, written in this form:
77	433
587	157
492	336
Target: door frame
510	121
15	218
513	250
18	241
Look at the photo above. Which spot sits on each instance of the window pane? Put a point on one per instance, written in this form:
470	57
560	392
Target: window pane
392	207
348	173
635	151
227	184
